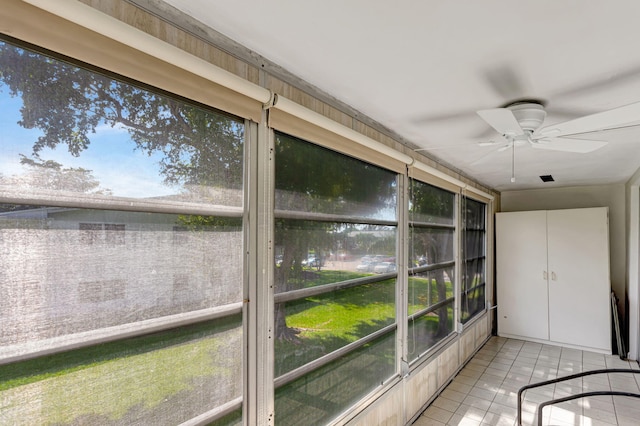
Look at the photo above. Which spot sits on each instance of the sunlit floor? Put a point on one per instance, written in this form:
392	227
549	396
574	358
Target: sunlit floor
485	391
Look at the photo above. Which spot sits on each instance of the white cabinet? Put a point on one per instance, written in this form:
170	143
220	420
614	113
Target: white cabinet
552	275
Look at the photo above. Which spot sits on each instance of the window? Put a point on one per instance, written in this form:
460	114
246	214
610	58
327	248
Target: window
129	255
100	291
431	272
336	238
92	233
473	284
121	284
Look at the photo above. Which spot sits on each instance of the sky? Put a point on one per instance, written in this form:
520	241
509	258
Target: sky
111	155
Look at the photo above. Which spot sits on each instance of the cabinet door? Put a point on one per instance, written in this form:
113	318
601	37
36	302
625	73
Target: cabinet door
579	284
521	265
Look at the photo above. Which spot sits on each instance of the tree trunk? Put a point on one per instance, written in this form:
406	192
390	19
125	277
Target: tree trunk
443	315
290	261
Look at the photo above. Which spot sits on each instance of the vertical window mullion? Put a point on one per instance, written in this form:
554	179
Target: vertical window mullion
250	305
402	299
262	354
460	244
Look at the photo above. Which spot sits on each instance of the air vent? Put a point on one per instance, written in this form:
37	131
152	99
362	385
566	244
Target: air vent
547	178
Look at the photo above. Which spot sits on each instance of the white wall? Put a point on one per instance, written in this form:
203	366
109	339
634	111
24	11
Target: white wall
612	196
633	259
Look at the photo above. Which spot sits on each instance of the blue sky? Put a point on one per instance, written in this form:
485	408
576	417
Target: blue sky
110	155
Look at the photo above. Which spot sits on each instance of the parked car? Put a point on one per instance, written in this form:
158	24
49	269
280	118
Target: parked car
384	267
313	262
366	266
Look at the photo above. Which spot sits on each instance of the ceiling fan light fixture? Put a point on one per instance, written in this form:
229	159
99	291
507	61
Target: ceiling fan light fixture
530	116
519	123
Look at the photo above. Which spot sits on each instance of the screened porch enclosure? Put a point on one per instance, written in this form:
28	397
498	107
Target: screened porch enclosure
144	235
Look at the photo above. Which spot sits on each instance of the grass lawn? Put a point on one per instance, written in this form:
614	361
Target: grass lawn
330	321
121	381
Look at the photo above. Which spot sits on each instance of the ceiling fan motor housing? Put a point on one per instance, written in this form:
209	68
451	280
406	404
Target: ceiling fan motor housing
529	115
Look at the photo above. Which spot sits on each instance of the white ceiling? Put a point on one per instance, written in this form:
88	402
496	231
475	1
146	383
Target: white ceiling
423	67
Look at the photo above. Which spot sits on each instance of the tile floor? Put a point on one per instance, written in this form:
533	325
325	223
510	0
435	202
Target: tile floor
485	391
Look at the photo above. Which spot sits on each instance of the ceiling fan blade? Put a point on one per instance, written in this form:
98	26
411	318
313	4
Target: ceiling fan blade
599	121
615	77
489	155
567	113
505	81
502	120
581	146
505	147
451	146
446	116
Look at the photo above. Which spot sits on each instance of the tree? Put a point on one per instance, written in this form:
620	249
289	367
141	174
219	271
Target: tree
52	175
67	103
312	179
197	147
437	206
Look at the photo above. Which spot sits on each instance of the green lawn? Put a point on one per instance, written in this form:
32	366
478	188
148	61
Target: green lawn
115	381
120	381
330	321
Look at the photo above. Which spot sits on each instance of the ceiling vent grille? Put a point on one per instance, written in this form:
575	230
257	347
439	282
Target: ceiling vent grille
547	178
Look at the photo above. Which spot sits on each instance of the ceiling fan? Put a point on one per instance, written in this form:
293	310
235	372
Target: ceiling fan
512	86
520	119
520	123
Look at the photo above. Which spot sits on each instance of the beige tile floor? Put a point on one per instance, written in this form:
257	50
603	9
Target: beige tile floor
485	390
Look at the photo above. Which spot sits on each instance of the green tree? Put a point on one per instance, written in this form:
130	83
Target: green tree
67	103
312	179
435	206
52	175
197	147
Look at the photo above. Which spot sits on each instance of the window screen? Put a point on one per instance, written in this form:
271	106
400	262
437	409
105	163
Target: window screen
432	265
121	249
336	238
473	282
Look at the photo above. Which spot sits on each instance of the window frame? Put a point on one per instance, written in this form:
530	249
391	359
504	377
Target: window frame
96	232
453	263
258	211
463	259
300	294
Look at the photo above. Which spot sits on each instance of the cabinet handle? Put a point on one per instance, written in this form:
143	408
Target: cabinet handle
544	275
553	276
